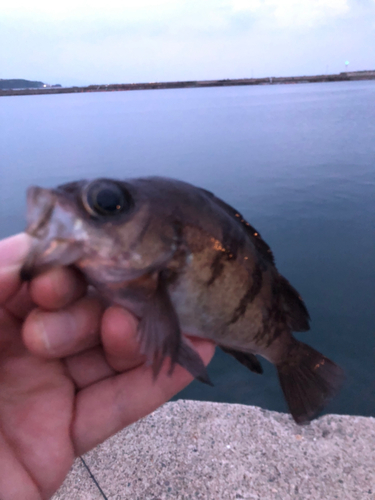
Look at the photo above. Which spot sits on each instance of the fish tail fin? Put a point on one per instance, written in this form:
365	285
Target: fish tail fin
308	380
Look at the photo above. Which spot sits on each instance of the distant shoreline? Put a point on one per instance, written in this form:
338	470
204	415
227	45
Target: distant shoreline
340	77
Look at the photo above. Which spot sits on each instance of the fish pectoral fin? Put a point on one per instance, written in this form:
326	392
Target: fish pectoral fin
159	331
245	358
160	336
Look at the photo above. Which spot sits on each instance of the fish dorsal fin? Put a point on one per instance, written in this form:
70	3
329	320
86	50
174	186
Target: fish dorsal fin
262	247
160	335
296	313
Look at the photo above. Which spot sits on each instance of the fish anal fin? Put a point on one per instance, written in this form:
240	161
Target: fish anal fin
189	359
245	358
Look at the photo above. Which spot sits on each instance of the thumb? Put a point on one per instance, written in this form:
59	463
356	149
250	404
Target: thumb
13	252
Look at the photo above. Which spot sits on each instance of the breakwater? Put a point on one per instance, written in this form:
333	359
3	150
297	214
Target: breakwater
340	77
209	451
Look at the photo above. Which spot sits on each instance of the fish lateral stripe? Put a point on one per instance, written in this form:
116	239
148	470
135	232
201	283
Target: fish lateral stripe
217	268
225	253
255	285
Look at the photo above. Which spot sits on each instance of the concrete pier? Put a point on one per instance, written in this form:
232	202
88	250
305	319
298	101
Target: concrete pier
213	451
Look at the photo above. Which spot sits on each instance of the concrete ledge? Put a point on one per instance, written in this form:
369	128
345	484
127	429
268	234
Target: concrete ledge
197	450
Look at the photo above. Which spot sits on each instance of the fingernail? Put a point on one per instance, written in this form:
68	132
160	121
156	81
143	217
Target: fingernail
13	252
56	330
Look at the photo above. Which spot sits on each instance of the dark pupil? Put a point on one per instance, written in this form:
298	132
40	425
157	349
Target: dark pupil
108	201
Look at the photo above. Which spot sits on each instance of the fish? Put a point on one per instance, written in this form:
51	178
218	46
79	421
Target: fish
182	260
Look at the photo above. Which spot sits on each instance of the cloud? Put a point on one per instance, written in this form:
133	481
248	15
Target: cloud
72	8
214	14
291	13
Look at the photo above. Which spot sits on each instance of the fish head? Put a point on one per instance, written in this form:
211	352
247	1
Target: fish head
108	229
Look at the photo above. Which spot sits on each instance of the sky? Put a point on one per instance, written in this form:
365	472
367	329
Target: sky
82	42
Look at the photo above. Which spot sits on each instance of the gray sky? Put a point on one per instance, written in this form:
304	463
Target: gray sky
117	41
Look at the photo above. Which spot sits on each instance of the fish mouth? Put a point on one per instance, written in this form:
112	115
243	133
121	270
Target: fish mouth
52	228
46	255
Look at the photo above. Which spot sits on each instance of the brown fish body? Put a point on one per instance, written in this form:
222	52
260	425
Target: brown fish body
182	259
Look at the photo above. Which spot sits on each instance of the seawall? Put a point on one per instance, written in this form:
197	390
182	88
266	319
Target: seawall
213	451
287	80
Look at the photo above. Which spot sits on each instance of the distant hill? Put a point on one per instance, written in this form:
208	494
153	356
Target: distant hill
20	84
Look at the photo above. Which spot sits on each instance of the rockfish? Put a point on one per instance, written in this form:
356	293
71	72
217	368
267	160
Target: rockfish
181	259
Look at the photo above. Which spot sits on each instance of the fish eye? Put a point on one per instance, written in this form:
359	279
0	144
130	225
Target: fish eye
106	198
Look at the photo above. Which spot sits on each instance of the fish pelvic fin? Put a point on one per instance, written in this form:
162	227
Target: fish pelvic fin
160	336
245	358
309	381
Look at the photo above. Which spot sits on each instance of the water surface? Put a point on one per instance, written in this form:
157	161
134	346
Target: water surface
297	160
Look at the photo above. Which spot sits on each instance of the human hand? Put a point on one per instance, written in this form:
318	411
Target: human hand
71	374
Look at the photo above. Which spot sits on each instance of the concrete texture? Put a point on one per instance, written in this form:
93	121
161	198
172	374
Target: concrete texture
211	451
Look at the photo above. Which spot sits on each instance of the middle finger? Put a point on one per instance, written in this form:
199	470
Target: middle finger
56	334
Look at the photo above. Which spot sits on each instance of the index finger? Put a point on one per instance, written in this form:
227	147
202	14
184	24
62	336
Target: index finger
13	252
